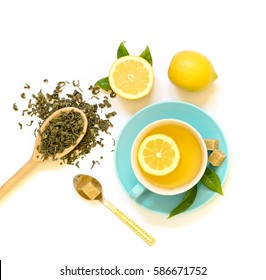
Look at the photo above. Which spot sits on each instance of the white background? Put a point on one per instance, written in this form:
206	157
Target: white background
45	225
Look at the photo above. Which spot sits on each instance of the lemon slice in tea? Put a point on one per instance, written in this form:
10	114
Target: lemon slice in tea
158	155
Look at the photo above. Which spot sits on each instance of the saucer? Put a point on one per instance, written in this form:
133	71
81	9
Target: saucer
186	112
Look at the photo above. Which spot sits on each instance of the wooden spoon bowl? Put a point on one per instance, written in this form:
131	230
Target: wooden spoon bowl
36	156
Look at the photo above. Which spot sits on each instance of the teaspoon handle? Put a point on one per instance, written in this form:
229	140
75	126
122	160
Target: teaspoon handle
130	223
24	170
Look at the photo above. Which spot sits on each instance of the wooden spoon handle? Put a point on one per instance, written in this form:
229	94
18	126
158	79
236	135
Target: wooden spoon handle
130	223
25	169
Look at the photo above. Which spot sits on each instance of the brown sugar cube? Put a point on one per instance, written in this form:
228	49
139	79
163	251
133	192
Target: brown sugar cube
211	144
216	157
91	191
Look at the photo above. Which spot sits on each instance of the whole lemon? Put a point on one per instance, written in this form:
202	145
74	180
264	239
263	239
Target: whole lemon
192	71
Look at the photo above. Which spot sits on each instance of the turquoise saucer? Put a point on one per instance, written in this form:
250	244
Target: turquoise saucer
191	114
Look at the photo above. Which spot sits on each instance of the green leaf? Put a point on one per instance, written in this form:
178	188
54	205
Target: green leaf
186	202
211	180
122	50
104	84
146	54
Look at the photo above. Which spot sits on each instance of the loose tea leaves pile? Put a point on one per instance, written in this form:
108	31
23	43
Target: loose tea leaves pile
61	133
42	105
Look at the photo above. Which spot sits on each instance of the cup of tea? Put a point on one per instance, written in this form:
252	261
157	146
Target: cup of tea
192	159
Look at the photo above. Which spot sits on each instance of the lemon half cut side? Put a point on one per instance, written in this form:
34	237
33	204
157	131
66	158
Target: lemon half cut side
131	77
158	155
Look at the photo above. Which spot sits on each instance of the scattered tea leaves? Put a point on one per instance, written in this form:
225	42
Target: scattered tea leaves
112	94
26	86
15	107
61	133
94	90
212	181
41	105
111	114
29	124
24	112
94	162
113	141
186	202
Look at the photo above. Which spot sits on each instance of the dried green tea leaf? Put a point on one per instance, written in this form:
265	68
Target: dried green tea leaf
15	107
43	105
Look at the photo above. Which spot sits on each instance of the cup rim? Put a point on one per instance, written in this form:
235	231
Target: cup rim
157	189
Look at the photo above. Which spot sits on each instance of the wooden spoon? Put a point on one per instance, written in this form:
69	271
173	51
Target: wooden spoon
36	156
91	189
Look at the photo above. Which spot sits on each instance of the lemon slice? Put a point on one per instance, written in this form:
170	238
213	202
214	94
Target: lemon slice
158	154
131	77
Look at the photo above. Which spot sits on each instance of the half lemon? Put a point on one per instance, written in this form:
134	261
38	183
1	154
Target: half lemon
131	77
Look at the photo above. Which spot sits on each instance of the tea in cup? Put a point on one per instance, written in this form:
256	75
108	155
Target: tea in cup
190	158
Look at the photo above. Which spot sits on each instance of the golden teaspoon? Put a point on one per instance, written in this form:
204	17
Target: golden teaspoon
91	189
